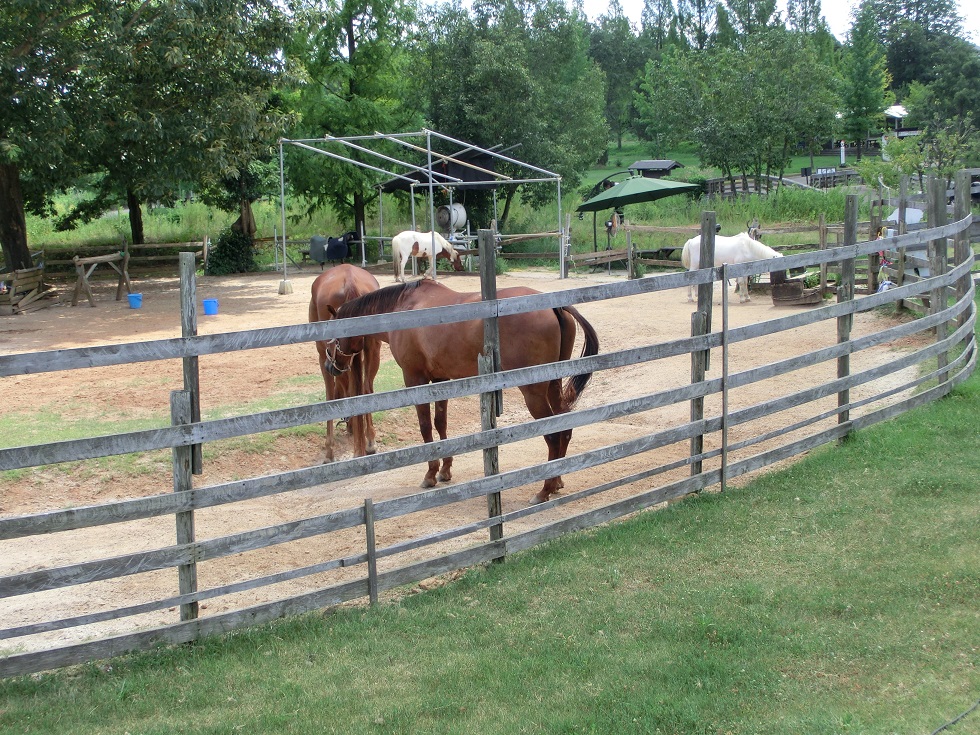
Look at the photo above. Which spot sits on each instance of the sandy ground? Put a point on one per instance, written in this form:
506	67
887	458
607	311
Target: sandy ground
117	395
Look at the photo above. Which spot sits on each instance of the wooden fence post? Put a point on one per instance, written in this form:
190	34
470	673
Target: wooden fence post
630	257
491	404
372	550
938	259
845	292
822	235
961	246
188	328
700	325
180	413
903	202
706	290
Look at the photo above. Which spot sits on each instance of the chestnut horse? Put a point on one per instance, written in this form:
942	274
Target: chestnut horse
330	290
449	351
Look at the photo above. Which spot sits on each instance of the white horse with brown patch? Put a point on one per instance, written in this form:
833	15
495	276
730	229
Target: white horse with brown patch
428	245
739	248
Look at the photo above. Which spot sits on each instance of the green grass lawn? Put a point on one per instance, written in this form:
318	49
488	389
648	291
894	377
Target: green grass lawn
840	595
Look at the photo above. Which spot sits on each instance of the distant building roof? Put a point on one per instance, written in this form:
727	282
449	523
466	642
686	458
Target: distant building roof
655	169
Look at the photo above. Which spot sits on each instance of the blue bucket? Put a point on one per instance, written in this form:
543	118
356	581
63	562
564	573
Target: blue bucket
135	300
210	307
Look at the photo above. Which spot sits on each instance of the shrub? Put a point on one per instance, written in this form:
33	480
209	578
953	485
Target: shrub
233	253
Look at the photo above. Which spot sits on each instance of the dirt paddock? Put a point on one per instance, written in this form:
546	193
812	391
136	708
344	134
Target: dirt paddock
120	398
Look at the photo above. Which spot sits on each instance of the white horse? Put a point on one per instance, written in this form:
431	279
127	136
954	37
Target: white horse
429	245
739	248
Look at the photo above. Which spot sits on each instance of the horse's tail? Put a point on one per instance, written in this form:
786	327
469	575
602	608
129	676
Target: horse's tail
686	255
576	384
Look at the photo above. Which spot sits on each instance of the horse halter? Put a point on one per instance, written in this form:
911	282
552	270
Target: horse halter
333	349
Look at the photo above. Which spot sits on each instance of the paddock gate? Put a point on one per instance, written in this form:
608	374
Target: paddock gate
709	438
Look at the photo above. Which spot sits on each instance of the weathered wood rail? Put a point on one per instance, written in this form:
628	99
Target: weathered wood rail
823	410
151	253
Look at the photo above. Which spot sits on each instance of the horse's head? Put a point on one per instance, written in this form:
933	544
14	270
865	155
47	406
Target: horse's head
339	354
456	261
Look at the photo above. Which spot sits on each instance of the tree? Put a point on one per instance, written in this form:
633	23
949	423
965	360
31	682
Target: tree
43	46
656	19
745	109
184	100
355	76
614	47
749	17
695	21
521	77
660	119
142	95
914	34
865	79
804	16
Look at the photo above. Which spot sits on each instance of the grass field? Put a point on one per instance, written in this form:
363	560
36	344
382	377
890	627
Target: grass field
839	595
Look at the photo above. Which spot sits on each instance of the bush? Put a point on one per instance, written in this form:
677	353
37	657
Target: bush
233	253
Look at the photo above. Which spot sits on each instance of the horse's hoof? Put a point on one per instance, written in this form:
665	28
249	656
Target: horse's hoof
537	499
445	477
427	482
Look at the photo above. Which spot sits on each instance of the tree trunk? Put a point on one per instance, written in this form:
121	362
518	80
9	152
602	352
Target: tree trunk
246	219
135	218
13	225
507	200
360	207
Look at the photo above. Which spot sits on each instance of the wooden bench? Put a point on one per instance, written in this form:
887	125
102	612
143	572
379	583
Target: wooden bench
23	290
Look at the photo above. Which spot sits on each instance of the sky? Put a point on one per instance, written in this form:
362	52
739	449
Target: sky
837	13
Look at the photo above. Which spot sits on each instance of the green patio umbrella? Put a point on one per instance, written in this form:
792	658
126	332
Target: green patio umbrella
635	190
632	191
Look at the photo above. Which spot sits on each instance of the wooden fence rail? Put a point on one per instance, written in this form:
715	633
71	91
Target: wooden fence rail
364	572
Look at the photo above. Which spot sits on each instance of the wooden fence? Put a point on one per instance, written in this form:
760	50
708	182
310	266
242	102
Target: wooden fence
718	443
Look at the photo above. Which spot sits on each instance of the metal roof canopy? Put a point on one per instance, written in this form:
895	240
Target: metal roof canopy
397	168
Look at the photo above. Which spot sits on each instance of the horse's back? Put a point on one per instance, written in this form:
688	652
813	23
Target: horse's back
447	351
336	286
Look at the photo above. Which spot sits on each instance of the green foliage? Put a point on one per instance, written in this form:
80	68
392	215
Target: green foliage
866	78
516	74
746	107
233	252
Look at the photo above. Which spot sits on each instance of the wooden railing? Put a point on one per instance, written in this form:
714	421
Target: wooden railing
362	573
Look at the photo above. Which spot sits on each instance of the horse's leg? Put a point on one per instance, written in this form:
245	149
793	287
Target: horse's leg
690	294
442	422
743	284
372	362
424	412
328	384
540	401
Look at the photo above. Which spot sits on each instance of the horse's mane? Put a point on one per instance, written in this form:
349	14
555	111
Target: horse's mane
760	248
381	301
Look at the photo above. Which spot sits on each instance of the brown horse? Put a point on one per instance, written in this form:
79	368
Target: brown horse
448	351
330	290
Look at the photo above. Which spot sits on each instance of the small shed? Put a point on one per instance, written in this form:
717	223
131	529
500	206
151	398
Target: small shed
654	169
